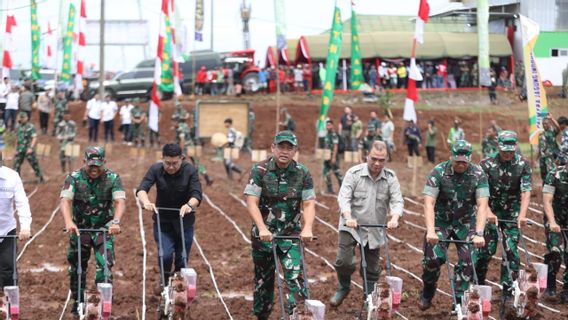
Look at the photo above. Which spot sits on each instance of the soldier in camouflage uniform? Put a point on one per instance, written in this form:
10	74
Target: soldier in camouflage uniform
138	118
66	131
509	177
490	145
248	138
183	138
331	142
153	136
180	115
548	149
60	107
563	124
453	190
25	145
277	190
92	197
368	140
555	198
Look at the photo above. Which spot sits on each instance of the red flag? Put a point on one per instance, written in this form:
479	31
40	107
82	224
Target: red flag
10	22
423	13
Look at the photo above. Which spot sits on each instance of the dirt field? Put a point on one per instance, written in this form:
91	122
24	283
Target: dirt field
222	215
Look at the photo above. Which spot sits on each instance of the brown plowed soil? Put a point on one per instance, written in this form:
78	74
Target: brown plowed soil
43	267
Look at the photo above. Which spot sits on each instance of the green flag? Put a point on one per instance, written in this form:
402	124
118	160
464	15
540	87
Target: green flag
166	75
35	42
356	77
68	45
333	52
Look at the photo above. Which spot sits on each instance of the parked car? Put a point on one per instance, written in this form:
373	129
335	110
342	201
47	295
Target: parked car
136	83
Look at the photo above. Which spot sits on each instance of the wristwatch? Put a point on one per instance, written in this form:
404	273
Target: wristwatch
479	234
191	207
116	221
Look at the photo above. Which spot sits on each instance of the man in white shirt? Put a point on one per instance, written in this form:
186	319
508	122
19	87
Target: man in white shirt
387	131
126	122
109	109
11	192
93	113
4	90
12	105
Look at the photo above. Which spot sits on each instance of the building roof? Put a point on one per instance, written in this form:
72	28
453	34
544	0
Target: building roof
372	23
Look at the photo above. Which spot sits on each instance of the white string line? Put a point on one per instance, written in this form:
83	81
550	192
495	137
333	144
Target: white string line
39	232
144	253
65	305
212	276
33	192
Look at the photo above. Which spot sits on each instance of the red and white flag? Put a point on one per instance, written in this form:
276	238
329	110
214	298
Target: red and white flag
423	13
81	41
411	97
154	110
8	45
176	49
49	47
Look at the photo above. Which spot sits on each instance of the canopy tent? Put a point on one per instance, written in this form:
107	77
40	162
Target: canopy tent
398	44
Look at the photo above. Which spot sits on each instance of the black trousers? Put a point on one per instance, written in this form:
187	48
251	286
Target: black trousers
7	261
431	152
413	149
43	121
93	129
109	130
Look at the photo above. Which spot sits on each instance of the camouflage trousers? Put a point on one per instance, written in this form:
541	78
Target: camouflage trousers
63	159
264	275
546	165
88	241
32	159
327	169
556	252
435	256
510	239
153	136
138	134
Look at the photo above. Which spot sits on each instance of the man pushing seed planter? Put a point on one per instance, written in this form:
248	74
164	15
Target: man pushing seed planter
453	190
92	198
277	190
368	192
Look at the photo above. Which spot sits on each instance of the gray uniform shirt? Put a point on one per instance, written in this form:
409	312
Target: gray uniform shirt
369	201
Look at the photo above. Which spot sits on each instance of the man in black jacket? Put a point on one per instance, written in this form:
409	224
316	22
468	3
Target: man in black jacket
178	192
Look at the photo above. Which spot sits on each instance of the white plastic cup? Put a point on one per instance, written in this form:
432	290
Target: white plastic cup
396	286
317	308
485	294
542	271
13	294
190	277
105	289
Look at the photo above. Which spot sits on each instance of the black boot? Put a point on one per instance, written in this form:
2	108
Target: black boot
342	291
208	180
426	297
550	292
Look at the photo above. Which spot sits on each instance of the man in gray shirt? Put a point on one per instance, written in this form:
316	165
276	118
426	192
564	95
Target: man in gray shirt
26	102
368	191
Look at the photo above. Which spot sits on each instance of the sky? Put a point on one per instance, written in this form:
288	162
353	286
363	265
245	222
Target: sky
303	17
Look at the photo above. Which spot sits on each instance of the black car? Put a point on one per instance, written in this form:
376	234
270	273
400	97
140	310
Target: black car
131	84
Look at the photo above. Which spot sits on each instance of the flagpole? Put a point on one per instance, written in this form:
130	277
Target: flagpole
102	52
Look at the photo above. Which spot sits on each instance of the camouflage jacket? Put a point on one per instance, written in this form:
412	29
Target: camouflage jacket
456	193
489	147
281	192
367	141
66	131
556	183
183	132
137	113
507	180
92	198
60	107
564	145
25	135
180	115
547	146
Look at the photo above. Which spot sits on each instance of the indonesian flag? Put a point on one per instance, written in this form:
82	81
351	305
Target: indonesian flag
8	44
175	52
411	93
50	62
153	116
423	13
81	43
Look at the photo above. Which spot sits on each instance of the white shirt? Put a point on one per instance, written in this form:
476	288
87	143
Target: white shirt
94	109
387	130
4	90
12	100
12	191
125	117
109	110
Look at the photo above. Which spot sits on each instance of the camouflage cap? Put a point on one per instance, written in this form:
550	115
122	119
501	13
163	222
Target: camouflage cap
507	140
95	156
461	151
22	114
286	135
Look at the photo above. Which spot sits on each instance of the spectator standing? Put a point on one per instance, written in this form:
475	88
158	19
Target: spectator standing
289	124
126	122
490	145
429	75
492	89
331	143
373	77
44	106
431	140
373	121
307	76
456	133
263	81
298	78
230	166
402	74
4	90
60	103
441	75
322	75
356	132
345	124
384	75
387	132
109	110
65	132
393	80
13	196
93	114
200	80
412	139
138	119
27	100
12	104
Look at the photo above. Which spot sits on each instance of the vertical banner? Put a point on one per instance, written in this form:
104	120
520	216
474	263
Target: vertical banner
281	44
35	41
199	20
166	73
333	53
68	45
536	96
483	39
8	45
356	75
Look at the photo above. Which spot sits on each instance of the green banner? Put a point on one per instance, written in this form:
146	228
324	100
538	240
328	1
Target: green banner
68	45
35	42
333	52
356	78
279	13
167	75
483	38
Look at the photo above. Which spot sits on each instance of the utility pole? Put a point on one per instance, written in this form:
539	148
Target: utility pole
212	32
102	52
245	16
